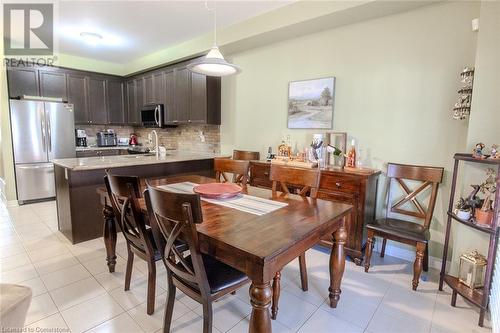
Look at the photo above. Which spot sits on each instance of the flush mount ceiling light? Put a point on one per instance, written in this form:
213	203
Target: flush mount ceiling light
214	63
91	38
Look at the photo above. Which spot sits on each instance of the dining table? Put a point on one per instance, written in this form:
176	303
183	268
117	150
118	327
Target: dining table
260	245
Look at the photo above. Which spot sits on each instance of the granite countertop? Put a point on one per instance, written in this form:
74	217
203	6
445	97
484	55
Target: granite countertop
117	161
91	148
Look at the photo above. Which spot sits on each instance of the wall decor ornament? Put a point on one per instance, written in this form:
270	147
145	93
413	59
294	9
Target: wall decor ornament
461	109
310	103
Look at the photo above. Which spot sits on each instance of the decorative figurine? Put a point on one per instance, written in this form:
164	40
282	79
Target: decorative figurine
478	151
284	150
495	154
351	156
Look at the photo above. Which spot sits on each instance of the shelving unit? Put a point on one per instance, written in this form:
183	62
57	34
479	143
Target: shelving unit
478	297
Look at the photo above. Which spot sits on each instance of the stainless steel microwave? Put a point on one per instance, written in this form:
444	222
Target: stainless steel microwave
153	115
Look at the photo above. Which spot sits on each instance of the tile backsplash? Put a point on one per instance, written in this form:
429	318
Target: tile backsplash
188	137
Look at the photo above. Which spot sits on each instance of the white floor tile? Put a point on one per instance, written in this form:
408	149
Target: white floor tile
18	275
53	323
293	311
115	280
41	306
46	252
98	265
242	327
120	324
15	261
91	313
135	296
323	322
54	264
76	293
11	250
37	286
189	323
65	276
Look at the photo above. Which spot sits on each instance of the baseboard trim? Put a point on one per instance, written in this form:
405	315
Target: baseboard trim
406	254
11	203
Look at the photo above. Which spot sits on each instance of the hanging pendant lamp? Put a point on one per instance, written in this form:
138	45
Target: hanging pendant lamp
214	64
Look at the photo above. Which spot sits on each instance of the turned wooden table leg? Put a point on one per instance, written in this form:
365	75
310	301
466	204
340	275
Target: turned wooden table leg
109	233
337	264
260	298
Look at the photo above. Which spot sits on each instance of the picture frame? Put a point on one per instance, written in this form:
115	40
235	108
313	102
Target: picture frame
311	103
339	140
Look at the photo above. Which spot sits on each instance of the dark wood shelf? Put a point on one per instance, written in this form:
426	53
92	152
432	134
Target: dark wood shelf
469	158
472	295
471	223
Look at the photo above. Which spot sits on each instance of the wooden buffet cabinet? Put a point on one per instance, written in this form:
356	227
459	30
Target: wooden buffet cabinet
358	188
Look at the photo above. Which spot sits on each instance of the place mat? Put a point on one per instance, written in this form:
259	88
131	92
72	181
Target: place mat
244	202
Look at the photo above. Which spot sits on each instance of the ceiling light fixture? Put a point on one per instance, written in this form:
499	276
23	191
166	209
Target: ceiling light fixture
214	63
91	38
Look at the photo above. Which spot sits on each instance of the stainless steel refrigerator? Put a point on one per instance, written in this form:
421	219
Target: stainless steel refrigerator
41	131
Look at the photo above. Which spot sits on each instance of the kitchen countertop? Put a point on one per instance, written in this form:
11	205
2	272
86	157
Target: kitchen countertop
104	162
91	148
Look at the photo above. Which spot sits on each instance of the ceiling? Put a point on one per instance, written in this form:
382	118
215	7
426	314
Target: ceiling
132	29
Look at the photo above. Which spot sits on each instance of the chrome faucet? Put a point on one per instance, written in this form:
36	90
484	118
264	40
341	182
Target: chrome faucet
157	150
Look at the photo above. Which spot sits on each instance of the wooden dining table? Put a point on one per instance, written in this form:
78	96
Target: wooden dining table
259	246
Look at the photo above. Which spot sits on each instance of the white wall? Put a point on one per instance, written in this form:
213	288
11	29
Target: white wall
397	78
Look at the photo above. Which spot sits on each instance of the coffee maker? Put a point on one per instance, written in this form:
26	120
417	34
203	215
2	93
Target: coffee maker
81	138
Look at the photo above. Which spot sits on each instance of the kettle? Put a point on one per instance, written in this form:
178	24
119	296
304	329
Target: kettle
133	140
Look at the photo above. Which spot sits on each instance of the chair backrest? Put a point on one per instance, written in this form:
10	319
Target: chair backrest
239	168
177	215
246	155
426	177
123	192
307	178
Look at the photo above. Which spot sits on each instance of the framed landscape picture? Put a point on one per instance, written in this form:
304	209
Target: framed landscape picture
310	103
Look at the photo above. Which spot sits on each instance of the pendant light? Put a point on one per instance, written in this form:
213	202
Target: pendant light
214	64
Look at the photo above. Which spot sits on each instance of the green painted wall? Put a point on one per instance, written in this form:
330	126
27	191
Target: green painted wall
397	78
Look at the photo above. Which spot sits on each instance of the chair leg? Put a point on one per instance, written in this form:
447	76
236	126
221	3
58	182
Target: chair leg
276	295
128	271
151	287
382	252
169	306
426	258
303	272
417	265
369	249
207	316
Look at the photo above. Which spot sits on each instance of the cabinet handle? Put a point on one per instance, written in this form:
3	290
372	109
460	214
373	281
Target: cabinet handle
266	173
338	185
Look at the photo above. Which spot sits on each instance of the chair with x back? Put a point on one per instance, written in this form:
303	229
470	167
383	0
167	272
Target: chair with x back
304	181
201	277
123	192
239	169
408	204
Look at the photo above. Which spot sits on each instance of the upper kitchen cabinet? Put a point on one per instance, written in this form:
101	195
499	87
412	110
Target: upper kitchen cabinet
205	95
97	100
181	94
135	101
53	84
169	95
23	82
115	93
154	88
77	95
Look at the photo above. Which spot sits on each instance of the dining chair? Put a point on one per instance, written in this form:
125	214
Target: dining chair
123	192
239	169
413	232
304	181
201	277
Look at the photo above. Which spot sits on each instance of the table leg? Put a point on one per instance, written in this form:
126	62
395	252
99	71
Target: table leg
337	264
260	298
109	233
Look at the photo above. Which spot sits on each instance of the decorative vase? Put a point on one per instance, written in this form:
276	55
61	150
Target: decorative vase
483	217
463	214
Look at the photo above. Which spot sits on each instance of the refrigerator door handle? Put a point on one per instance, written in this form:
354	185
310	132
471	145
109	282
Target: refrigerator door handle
42	125
49	132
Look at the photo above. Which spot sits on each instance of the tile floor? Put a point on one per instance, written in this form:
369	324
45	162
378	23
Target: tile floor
72	289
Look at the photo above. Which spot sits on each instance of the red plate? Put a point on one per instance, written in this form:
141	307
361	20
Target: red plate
218	190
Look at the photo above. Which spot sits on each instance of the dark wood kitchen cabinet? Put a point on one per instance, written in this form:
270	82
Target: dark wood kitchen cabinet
23	81
134	101
169	96
53	84
115	99
205	99
97	101
182	95
77	95
154	88
354	187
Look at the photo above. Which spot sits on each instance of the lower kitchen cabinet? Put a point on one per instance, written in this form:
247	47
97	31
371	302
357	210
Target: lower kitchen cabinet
356	188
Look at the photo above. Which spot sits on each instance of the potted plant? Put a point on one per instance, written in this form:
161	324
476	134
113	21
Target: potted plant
463	209
484	214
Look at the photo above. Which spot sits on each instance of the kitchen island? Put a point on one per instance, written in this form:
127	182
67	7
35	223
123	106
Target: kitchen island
77	180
